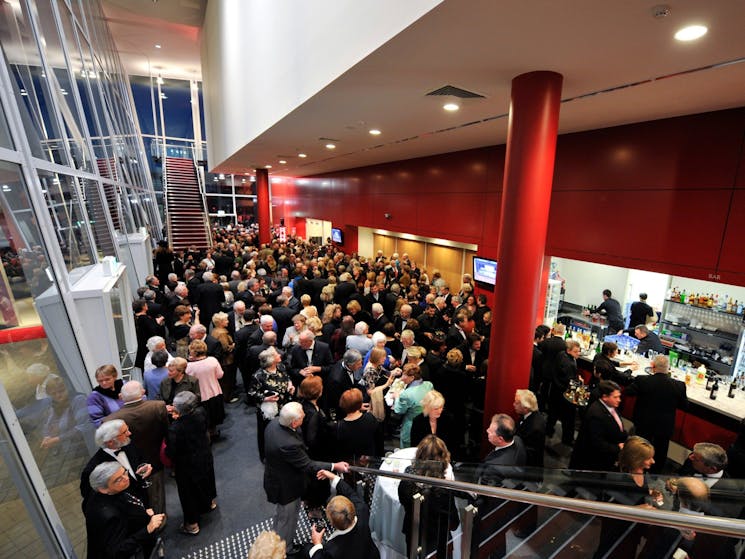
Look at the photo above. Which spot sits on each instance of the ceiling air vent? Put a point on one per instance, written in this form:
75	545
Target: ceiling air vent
452	91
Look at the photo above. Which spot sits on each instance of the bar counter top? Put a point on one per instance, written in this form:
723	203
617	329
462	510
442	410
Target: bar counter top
731	407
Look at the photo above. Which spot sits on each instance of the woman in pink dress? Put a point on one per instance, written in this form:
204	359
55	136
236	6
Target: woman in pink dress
207	371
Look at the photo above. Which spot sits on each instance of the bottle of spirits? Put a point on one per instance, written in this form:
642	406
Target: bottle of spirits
732	388
714	390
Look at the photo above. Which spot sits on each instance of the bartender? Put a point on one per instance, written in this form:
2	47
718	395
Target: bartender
641	312
647	340
612	310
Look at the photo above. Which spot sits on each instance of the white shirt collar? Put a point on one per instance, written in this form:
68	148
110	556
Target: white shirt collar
345	531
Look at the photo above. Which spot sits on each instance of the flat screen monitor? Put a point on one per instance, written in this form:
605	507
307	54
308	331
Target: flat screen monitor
337	236
484	270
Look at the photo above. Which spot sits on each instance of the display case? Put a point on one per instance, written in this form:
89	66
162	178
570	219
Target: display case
553	299
102	302
701	332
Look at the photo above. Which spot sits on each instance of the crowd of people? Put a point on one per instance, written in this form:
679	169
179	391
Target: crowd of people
342	357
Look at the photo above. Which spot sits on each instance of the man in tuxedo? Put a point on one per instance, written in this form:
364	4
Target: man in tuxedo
473	357
458	332
214	347
404	315
658	396
376	295
148	423
349	516
531	427
117	522
251	362
113	438
287	469
309	357
235	318
601	436
379	319
340	379
210	297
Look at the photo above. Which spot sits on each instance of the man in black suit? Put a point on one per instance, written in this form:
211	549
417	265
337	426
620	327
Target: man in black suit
550	348
379	319
214	347
473	356
113	438
640	311
282	315
349	516
531	428
390	299
118	523
340	379
536	362
309	357
210	297
287	469
500	466
376	295
601	436
316	286
235	318
564	371
458	332
658	396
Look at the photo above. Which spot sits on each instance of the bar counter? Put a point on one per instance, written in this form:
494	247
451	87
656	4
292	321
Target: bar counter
705	420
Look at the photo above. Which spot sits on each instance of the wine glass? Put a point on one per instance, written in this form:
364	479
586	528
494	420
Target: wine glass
141	469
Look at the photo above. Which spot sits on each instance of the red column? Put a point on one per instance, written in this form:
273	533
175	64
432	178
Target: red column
526	197
262	203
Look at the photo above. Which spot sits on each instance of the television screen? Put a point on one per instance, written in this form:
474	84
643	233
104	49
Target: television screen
484	270
337	236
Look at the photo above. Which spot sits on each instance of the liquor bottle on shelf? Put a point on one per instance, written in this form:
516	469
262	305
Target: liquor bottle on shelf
714	390
732	388
683	296
729	305
709	382
739	307
701	374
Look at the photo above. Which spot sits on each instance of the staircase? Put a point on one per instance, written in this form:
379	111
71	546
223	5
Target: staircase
107	169
97	215
188	224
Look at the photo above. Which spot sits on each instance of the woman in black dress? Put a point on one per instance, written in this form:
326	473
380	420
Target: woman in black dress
316	438
270	389
432	420
188	445
438	513
163	262
146	327
359	433
629	486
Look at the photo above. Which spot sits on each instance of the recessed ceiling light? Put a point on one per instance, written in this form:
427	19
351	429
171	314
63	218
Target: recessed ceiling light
157	46
282	162
267	166
330	146
691	33
375	132
302	155
451	107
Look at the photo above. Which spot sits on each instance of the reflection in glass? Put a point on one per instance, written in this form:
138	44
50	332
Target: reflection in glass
62	197
50	411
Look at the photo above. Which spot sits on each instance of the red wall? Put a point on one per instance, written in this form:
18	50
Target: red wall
666	196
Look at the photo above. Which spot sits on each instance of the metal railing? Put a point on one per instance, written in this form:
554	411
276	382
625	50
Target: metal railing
720	526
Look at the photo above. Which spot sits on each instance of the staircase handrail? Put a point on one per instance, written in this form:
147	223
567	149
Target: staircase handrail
712	524
202	192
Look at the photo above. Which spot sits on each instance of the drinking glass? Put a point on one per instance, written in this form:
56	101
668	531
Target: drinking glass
141	469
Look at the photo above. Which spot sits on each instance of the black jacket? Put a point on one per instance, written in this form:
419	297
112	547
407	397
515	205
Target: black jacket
357	542
502	463
597	447
299	360
287	464
117	527
532	431
658	396
101	456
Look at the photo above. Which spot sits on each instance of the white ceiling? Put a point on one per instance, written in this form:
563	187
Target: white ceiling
480	45
138	25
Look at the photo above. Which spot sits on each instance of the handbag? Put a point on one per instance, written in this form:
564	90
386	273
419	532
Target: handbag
377	403
164	458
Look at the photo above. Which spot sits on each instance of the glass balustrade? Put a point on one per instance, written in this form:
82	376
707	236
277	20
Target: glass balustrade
433	509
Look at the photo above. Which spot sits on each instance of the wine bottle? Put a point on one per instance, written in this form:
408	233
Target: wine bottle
732	387
709	382
714	390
